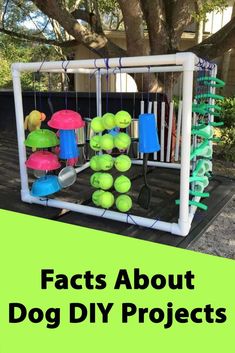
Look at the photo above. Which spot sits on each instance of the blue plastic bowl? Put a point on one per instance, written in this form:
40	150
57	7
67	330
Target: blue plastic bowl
46	185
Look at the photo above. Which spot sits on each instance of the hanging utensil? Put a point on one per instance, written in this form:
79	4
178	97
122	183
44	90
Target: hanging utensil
145	192
149	143
67	177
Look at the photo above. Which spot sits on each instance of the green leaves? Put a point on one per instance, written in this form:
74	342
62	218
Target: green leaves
209	6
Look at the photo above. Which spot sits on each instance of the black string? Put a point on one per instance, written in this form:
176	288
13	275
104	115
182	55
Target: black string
65	66
34	91
128	216
40	93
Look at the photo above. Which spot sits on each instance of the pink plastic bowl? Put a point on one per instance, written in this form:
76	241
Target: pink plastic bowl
43	160
66	120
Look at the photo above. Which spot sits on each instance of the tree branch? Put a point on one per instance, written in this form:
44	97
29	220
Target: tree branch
133	21
32	38
182	15
155	16
81	15
217	44
93	41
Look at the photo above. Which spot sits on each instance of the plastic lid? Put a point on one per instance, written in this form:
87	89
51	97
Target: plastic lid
66	120
43	160
41	138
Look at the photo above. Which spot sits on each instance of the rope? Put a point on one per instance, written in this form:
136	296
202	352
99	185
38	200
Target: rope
64	67
34	91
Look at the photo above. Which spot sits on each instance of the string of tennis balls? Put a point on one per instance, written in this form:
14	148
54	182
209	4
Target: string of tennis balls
102	180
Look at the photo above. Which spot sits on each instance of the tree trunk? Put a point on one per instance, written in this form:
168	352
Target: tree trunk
199	32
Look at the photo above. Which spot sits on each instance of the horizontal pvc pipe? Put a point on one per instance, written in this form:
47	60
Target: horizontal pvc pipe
124	70
157	164
151	60
99	212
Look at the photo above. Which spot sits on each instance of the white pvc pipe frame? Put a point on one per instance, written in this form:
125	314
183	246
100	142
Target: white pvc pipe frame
184	62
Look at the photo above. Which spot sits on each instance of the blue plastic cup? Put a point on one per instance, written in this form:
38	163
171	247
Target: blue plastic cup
68	144
148	136
45	186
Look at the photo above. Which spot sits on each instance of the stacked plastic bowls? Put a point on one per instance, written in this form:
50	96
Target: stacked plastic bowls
43	161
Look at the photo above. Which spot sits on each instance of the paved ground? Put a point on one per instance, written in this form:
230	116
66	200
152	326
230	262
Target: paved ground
219	238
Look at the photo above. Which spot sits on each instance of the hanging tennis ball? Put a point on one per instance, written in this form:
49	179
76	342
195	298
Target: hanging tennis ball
96	197
122	141
123	203
97	124
105	181
122	163
106	142
106	200
95	163
95	143
108	121
106	162
94	180
122	184
122	119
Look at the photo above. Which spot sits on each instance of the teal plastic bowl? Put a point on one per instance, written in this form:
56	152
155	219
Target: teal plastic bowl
46	185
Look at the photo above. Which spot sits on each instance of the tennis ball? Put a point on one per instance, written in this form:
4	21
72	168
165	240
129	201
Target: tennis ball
123	203
96	197
97	124
106	200
122	184
108	121
122	119
122	163
95	180
95	163
106	162
106	142
95	143
105	181
122	141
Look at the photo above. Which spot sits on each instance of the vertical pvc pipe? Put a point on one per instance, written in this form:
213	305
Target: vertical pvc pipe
98	94
169	136
184	223
141	107
155	113
178	131
141	112
194	143
99	98
162	132
213	90
20	132
150	105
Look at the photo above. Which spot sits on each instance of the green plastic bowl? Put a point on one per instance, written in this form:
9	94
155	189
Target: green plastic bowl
41	138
